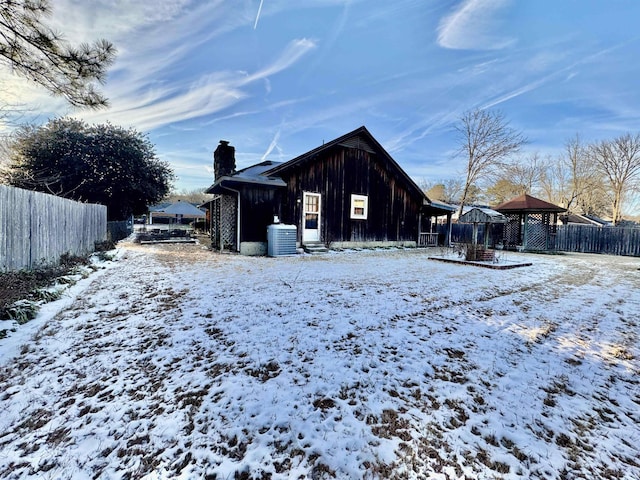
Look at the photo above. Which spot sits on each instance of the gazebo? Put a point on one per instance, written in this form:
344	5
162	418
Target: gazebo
532	223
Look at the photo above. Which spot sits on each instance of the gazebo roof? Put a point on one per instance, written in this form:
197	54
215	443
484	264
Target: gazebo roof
528	204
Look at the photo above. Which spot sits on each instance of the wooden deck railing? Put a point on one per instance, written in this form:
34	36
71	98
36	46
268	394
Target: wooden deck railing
426	239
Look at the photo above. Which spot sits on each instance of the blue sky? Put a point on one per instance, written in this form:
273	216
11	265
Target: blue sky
276	78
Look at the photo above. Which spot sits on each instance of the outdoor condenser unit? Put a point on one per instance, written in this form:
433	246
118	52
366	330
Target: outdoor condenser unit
281	239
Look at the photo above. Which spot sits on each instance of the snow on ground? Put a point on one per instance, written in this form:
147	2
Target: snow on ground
176	362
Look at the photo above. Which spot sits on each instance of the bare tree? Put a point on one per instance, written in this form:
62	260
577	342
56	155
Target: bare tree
527	172
195	195
503	190
486	141
36	52
447	191
571	181
619	161
524	175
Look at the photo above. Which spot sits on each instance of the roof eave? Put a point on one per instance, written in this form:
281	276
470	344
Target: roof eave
224	182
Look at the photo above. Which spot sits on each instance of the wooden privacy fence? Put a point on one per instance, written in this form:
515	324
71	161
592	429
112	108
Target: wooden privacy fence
37	229
463	233
569	238
607	240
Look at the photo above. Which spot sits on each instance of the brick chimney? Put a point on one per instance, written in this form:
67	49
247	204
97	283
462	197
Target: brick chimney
224	160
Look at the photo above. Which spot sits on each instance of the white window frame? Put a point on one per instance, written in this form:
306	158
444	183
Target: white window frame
359	216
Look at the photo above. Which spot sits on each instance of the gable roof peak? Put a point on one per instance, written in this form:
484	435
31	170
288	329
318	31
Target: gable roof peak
359	138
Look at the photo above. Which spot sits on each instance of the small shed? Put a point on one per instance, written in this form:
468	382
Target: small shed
532	223
486	216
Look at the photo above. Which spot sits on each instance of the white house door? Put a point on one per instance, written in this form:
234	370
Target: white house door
311	217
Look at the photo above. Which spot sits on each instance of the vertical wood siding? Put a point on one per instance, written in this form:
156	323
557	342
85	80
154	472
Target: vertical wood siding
259	205
36	228
392	214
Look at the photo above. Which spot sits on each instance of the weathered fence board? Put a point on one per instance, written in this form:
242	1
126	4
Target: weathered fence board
607	240
36	228
463	233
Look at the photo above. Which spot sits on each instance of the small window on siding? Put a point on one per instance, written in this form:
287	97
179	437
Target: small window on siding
359	206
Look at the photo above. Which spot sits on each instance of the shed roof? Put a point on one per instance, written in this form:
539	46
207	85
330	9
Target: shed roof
528	204
482	215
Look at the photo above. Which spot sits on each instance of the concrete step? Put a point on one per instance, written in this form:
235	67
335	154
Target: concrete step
315	248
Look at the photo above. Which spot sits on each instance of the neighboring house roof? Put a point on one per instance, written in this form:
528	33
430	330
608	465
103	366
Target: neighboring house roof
597	220
179	208
528	204
576	219
359	138
482	215
158	207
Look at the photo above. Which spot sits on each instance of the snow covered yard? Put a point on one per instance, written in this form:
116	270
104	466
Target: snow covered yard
178	363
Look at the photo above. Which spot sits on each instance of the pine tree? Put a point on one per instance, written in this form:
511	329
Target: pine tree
34	51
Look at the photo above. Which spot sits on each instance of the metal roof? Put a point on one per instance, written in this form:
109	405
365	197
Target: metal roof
442	205
256	171
253	174
482	215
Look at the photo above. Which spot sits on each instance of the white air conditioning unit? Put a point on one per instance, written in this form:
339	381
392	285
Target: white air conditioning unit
281	239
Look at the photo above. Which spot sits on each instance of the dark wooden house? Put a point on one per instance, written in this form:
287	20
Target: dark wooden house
345	193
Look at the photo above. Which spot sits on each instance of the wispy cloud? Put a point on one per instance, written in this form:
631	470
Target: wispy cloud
291	54
272	145
80	20
163	104
473	26
543	66
143	87
255	25
421	129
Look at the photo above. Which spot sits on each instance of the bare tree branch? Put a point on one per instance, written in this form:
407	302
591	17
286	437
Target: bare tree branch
619	161
486	141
